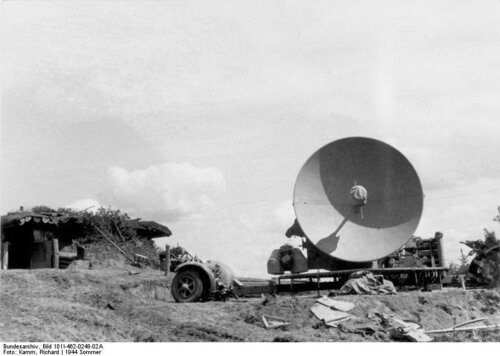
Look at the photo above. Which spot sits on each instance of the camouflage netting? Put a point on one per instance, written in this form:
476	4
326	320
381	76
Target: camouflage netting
107	235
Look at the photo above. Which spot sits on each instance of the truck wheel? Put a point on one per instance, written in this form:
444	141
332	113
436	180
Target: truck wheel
187	286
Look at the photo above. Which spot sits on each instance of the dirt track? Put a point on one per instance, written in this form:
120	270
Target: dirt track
114	305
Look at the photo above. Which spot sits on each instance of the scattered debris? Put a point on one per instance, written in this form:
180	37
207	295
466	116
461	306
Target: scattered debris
410	334
273	322
224	278
382	326
179	255
404	329
329	316
268	297
109	306
365	282
285	338
305	297
223	292
140	260
336	304
364	328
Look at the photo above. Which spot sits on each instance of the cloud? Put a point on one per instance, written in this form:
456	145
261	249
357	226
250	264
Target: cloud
167	192
269	218
85	204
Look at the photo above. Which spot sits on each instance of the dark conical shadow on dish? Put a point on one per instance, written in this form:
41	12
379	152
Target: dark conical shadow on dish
329	244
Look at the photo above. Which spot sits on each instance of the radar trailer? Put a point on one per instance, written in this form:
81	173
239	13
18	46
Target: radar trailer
357	202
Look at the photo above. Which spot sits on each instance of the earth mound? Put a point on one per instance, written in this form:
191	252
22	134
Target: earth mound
124	303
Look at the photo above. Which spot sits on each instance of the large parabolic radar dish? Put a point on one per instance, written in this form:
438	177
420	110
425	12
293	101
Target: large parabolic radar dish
358	199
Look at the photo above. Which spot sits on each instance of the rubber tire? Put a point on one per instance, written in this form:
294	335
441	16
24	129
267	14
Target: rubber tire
198	286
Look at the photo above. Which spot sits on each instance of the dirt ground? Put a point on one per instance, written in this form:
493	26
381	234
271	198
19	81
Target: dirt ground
129	304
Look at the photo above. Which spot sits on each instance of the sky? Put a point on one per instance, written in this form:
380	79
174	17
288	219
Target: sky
200	114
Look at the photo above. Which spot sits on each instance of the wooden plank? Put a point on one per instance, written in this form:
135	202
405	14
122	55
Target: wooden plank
482	327
5	255
336	304
273	322
470	322
238	282
128	250
55	251
462	281
80	252
115	245
166	266
327	314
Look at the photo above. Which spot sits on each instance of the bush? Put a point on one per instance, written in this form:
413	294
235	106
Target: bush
485	267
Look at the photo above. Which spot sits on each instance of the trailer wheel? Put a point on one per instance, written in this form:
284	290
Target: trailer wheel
187	286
